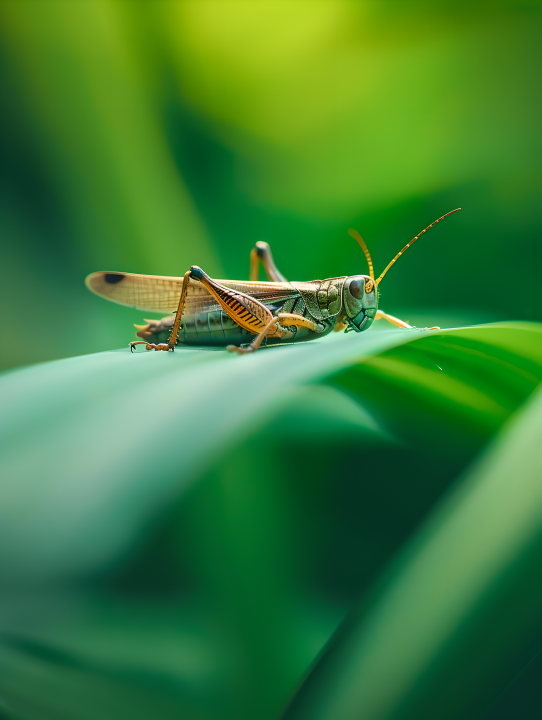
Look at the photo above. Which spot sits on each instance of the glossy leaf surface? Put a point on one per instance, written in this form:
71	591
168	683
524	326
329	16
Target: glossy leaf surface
185	531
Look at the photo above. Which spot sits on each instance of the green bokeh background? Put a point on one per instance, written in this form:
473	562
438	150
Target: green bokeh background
147	137
150	136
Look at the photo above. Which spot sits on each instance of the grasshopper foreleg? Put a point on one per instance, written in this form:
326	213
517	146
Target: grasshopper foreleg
380	315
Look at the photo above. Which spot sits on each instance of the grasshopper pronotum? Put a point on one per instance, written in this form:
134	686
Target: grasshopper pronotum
244	314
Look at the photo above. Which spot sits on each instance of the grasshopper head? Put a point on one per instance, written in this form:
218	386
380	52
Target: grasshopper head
360	291
360	301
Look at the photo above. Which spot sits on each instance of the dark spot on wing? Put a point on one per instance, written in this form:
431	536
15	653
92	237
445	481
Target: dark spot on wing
113	279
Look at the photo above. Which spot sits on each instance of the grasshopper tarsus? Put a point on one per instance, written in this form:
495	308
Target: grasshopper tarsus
149	346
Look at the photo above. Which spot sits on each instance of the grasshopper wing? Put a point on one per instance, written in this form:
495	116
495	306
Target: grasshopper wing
160	293
157	293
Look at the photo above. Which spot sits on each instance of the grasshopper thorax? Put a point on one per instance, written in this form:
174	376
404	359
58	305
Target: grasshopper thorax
360	299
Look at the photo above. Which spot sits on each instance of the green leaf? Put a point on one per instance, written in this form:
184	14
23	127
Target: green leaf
93	432
436	637
184	531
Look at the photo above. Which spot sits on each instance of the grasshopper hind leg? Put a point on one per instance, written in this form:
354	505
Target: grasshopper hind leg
262	252
149	346
279	326
170	345
270	328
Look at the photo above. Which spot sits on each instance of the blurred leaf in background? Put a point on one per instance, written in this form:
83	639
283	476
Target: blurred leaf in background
150	136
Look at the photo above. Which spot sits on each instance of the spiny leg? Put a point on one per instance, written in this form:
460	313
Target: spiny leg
285	319
395	321
176	325
178	317
262	252
255	344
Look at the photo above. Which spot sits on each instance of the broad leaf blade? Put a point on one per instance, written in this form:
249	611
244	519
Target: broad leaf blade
457	603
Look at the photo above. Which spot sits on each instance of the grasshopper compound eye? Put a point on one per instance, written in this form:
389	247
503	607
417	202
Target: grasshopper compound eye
356	288
360	285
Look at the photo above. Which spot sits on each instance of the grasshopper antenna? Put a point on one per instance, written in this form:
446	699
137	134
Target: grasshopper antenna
355	234
411	242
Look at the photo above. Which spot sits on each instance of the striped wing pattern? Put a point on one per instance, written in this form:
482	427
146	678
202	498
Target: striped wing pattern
160	293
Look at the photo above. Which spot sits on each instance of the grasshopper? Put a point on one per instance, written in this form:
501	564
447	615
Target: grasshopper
243	315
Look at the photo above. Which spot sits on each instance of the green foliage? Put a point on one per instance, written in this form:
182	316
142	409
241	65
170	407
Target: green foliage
148	137
181	533
459	602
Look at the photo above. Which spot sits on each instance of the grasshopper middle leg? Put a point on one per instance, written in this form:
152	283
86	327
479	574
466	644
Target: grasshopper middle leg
281	322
